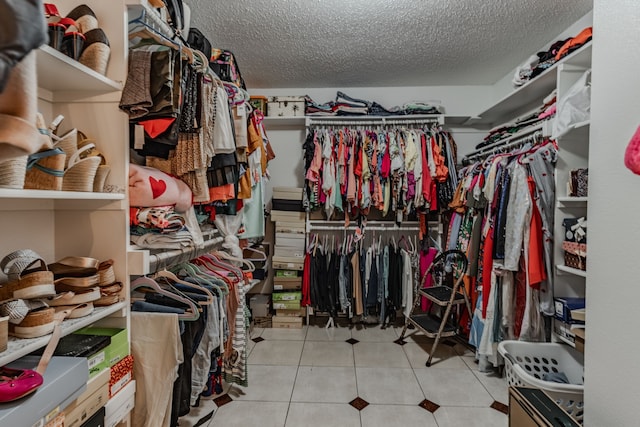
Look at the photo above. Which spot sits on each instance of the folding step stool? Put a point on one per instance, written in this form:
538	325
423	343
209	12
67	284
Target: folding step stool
443	269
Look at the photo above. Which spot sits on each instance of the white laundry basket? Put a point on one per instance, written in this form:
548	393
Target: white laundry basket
527	362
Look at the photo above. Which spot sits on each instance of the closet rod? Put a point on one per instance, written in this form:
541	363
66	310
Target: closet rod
517	138
353	227
176	256
152	19
369	120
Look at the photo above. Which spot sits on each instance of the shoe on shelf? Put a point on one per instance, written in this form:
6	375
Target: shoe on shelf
28	318
18	383
74	266
28	276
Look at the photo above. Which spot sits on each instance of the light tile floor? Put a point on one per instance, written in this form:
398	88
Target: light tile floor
312	377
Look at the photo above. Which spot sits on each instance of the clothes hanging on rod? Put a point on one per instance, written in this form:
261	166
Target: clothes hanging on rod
368	280
207	297
395	169
503	221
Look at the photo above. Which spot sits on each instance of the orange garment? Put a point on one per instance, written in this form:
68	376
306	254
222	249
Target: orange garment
256	143
537	272
244	186
442	172
576	41
222	193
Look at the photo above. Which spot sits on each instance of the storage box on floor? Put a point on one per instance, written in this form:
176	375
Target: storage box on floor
288	259
531	407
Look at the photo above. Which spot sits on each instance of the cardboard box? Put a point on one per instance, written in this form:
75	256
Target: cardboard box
285	106
532	407
287	305
291	313
287	296
119	347
288	252
286	273
120	405
563	330
290	227
84	407
287	283
260	305
286	322
120	375
97	420
288	263
564	305
287	193
287	216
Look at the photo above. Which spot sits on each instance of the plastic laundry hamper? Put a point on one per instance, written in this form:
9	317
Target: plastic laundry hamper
527	362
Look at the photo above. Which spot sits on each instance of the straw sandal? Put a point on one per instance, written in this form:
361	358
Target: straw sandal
45	170
37	323
109	295
26	279
103	170
107	275
74	266
68	143
77	310
81	173
97	51
84	17
77	282
65	298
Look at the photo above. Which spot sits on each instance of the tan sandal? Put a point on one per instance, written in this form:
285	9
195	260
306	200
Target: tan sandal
77	282
37	323
76	311
109	295
106	272
74	266
81	173
75	297
26	280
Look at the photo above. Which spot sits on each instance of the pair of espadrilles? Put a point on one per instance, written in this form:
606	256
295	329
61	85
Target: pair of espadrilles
36	292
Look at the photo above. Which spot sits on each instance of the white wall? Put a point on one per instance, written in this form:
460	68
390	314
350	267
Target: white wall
612	379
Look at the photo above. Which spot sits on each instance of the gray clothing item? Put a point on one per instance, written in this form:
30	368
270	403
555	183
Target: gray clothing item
541	165
201	360
518	217
22	29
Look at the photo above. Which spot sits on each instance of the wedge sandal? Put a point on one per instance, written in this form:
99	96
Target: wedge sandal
75	297
37	323
109	295
76	311
107	275
74	266
78	282
28	276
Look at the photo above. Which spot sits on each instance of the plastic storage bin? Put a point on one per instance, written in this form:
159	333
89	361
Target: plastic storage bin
527	362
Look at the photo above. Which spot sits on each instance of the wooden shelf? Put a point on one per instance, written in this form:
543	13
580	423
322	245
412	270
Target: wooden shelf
18	347
8	193
59	73
570	270
527	96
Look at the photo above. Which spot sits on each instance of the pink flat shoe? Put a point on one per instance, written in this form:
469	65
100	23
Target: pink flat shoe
17	383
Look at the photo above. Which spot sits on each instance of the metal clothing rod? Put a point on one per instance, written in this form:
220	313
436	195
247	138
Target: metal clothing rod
369	120
516	139
177	256
353	227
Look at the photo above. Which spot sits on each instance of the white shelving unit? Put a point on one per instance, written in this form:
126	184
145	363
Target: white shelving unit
573	154
530	95
56	224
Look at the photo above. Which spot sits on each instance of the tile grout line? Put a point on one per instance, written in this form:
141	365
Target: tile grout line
304	341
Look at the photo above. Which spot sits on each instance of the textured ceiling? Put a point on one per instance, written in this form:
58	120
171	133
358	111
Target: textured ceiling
376	43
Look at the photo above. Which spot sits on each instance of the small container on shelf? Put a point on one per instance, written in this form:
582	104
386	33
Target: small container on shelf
259	102
285	106
575	255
